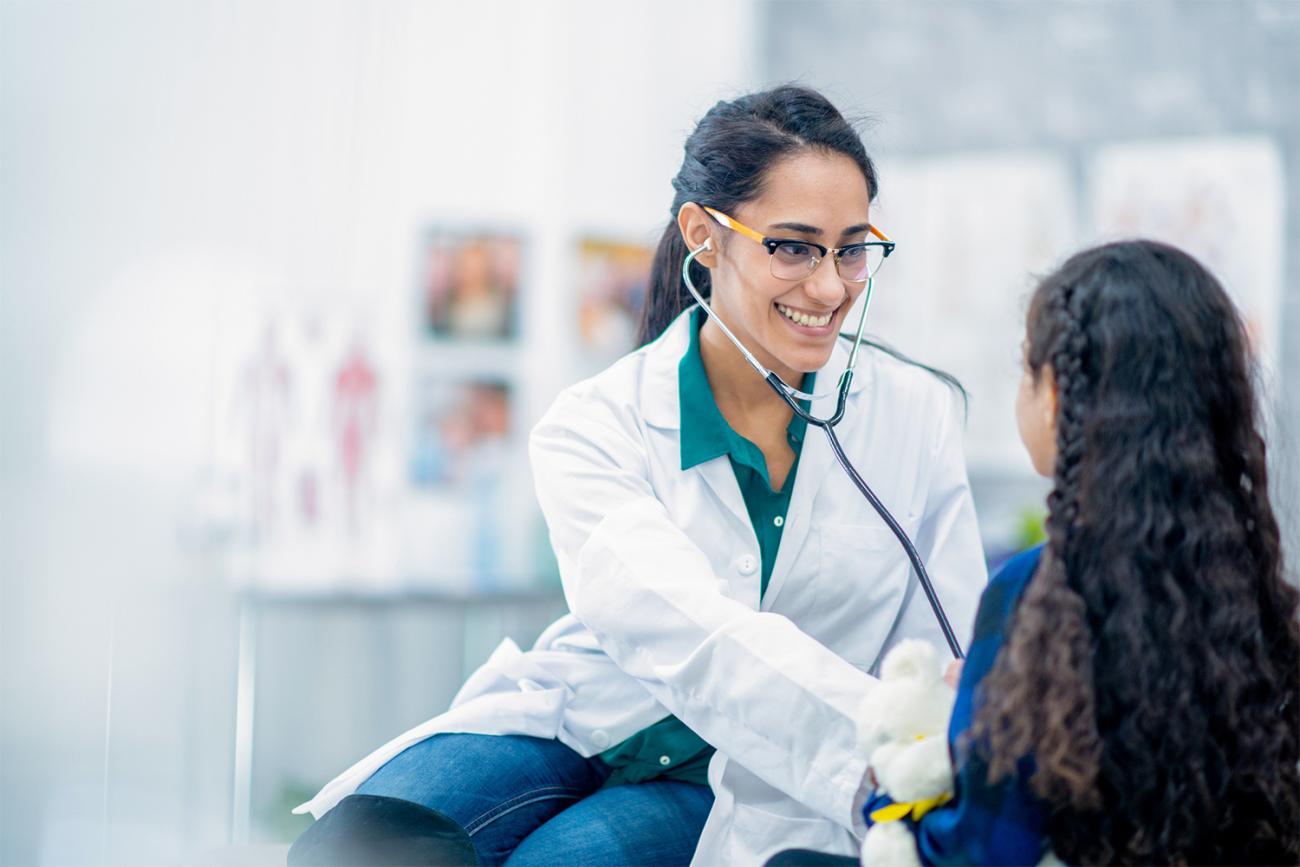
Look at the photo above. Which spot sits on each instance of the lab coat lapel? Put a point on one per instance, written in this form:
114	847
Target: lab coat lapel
720	478
713	478
815	458
662	410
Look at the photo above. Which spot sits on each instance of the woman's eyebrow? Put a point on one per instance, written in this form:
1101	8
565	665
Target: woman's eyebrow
797	227
813	230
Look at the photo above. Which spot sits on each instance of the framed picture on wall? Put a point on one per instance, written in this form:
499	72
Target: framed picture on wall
469	524
613	277
469	284
462	429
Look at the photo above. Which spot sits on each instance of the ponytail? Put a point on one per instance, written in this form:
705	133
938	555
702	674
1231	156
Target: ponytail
667	297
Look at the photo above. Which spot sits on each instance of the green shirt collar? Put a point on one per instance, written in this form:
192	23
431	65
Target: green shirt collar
705	432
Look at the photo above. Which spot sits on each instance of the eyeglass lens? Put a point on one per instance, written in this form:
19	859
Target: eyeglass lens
794	261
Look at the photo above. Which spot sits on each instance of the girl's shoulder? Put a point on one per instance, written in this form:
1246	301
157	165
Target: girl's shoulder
1004	591
1019	568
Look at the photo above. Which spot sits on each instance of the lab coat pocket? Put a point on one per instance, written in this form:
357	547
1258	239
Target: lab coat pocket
860	587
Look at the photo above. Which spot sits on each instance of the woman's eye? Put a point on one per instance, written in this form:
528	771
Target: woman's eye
794	252
853	254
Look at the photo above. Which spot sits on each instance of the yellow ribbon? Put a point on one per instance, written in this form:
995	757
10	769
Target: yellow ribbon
917	809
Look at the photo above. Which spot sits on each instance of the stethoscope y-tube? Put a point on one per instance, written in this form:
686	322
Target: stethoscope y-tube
788	394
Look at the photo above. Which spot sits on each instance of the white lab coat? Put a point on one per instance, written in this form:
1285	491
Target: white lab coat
661	571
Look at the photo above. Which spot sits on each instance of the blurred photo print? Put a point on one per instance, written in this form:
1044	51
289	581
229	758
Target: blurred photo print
470	285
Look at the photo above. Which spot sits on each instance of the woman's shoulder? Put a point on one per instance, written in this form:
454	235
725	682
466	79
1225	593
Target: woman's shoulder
920	398
892	368
639	387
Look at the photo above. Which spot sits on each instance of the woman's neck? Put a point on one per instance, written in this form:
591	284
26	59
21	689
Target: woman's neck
735	384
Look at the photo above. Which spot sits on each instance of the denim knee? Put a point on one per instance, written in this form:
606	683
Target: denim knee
382	831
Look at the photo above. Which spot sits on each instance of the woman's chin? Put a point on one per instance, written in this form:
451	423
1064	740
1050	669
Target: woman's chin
804	362
804	349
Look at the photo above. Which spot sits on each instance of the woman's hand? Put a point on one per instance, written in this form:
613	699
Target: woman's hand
952	674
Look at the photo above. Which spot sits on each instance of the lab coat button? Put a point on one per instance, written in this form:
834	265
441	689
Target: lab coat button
665	761
600	739
746	565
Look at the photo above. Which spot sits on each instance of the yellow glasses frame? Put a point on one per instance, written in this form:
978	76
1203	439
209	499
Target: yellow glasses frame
771	244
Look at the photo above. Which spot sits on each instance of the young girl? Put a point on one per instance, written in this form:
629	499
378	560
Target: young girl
731	592
1130	696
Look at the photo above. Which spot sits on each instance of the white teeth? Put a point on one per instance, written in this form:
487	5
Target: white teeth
804	318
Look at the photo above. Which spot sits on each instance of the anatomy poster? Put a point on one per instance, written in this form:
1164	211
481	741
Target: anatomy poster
1219	199
305	451
972	233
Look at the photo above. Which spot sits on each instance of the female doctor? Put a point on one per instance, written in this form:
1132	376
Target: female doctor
730	589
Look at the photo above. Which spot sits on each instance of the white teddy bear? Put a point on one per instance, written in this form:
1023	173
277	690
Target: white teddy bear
903	731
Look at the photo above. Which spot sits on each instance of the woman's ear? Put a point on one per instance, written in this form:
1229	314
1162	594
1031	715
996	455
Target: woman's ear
697	229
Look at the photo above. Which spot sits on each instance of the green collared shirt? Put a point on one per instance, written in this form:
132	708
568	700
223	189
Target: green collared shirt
668	748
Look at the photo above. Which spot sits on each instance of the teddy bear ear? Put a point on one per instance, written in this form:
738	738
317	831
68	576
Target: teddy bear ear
910	659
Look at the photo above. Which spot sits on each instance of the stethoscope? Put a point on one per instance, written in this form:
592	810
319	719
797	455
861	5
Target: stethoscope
792	396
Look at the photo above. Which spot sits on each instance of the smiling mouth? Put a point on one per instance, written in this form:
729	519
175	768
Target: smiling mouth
807	320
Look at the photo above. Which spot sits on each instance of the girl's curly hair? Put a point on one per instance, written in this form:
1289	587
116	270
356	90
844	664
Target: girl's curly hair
1151	670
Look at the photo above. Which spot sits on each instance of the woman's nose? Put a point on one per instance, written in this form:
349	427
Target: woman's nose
824	284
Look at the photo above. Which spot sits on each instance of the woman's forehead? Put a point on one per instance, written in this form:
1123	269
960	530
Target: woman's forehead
814	188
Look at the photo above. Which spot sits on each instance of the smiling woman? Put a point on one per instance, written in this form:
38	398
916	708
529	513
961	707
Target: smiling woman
828	190
729	593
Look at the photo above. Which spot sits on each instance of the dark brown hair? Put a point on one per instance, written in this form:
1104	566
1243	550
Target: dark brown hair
1151	670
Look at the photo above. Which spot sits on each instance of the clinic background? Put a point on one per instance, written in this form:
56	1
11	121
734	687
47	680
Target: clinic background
285	285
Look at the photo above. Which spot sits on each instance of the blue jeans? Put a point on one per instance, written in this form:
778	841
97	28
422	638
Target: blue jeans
532	801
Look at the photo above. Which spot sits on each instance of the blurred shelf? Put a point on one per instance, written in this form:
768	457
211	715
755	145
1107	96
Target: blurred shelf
397	596
445	359
254	602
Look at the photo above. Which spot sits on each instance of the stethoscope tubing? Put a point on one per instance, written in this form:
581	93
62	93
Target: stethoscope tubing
828	425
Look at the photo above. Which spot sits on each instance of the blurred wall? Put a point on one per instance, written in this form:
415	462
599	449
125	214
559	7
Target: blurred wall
159	158
950	78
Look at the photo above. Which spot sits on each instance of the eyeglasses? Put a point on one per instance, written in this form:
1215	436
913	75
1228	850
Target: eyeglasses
795	259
